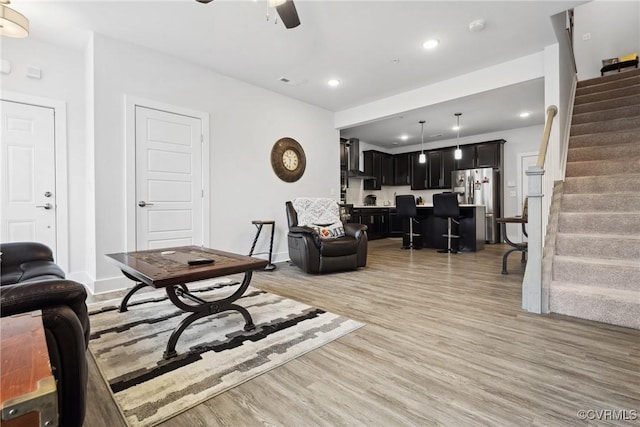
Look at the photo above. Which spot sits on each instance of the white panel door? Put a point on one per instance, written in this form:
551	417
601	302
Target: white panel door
28	206
168	179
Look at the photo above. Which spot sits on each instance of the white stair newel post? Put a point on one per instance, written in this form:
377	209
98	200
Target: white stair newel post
532	283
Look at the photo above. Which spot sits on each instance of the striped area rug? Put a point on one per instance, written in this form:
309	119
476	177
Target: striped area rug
214	353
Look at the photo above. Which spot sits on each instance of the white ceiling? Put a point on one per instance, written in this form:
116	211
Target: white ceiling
353	41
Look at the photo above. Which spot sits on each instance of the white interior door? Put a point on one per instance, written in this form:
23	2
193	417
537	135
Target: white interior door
28	206
169	190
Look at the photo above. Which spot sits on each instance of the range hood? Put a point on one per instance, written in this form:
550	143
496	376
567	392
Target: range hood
354	160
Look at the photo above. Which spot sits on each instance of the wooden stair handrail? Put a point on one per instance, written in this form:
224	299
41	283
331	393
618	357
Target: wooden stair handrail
551	112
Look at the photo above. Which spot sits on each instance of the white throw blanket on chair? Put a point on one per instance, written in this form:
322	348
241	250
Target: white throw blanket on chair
320	213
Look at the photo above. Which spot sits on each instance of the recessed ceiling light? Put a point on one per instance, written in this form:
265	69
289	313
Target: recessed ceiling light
525	114
395	143
455	127
333	82
404	137
430	44
477	25
436	135
395	61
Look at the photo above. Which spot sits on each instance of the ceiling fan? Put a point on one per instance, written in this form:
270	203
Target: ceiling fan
285	8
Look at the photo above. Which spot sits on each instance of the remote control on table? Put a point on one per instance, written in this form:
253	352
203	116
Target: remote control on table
200	261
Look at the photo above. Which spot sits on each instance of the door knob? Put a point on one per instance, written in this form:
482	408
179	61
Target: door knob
142	204
47	206
48	194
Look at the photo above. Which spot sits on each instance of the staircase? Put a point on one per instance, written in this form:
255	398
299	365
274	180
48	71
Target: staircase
595	266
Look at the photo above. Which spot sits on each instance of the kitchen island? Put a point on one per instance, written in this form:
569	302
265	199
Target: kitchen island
384	222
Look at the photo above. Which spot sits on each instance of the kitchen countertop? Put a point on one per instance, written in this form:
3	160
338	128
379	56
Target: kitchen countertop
429	205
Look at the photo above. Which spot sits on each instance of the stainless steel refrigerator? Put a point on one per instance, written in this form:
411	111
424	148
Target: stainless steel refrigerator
481	187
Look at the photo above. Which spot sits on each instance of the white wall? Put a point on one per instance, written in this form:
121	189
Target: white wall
614	27
245	123
63	80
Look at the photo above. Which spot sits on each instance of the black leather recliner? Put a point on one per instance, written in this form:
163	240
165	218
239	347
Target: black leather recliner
30	280
315	255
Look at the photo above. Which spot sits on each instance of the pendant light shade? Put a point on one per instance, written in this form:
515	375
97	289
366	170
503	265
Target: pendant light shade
457	154
422	158
12	23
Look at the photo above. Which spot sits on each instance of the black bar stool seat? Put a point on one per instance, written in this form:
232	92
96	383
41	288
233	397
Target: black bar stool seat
259	223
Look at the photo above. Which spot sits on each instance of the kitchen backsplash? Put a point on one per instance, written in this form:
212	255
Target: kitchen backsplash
386	196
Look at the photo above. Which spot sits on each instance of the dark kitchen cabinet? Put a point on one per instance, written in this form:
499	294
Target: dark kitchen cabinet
401	168
387	169
468	160
396	224
380	166
376	221
440	165
418	173
372	167
488	155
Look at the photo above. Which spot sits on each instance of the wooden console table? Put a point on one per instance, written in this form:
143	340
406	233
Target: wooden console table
28	393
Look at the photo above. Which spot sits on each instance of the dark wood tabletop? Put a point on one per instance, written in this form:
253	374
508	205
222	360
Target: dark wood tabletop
513	220
160	268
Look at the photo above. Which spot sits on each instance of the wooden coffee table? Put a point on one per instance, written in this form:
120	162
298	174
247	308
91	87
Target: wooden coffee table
168	268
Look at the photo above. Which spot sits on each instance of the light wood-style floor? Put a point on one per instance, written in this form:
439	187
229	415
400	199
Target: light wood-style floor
445	343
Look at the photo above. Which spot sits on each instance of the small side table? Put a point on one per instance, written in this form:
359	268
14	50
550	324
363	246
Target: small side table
259	223
28	393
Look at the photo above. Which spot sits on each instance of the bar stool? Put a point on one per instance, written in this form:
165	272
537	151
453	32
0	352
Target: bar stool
259	224
445	205
406	208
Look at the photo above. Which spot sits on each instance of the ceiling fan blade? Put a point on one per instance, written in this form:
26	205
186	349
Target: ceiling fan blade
288	14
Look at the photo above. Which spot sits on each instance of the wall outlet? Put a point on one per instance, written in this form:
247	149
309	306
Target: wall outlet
512	194
586	36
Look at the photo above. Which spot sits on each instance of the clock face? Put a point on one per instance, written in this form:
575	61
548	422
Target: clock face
288	159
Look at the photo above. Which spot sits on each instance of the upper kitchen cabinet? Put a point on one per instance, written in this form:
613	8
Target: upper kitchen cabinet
387	169
418	173
489	154
468	160
380	166
401	168
440	165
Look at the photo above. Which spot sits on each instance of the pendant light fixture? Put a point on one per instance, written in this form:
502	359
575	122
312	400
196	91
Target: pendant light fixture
458	153
12	23
422	158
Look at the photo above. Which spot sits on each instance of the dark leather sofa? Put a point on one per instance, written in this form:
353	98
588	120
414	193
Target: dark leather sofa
30	280
315	255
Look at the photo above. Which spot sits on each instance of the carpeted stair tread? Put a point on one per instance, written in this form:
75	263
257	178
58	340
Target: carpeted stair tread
593	303
624	201
630	164
604	223
605	115
610	94
605	273
609	104
601	184
624	123
608	85
625	74
626	136
608	246
613	151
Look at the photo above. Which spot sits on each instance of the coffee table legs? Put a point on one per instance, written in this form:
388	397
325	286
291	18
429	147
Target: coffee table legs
203	308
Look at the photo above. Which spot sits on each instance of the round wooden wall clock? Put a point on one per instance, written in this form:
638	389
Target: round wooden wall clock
288	160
